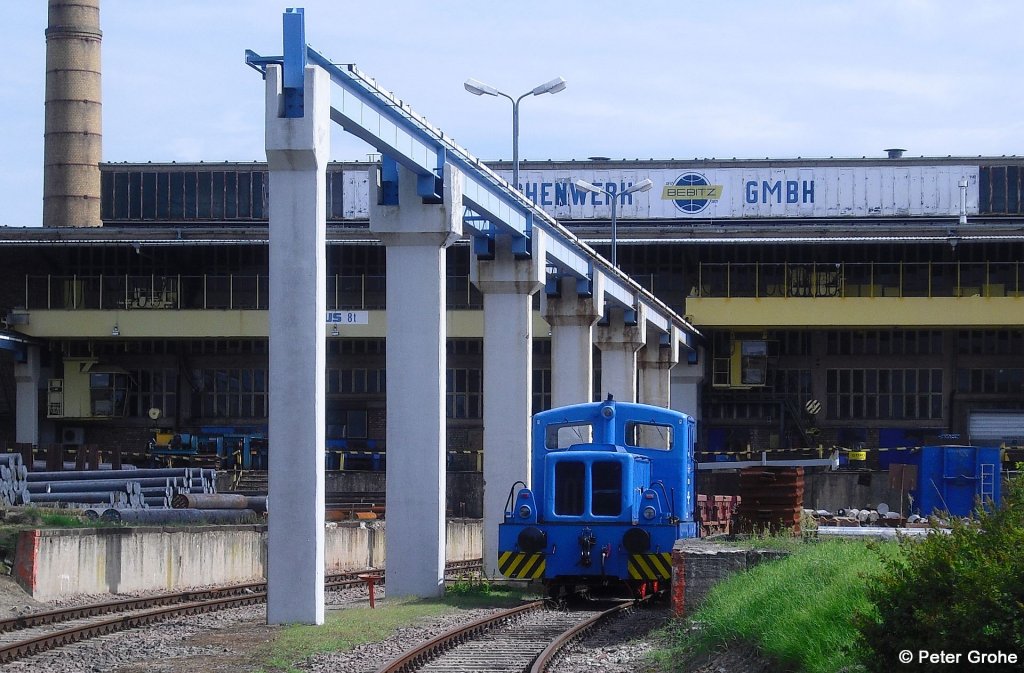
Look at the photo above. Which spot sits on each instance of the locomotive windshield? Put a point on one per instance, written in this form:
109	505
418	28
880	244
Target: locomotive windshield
649	435
564	435
571	486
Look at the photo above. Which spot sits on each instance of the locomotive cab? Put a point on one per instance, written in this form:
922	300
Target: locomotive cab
612	491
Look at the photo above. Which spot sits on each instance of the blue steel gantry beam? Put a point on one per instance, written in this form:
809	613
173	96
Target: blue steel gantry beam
494	207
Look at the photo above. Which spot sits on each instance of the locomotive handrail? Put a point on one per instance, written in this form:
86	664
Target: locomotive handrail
511	498
664	492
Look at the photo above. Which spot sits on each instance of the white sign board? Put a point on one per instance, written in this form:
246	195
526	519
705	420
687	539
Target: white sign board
731	193
348	317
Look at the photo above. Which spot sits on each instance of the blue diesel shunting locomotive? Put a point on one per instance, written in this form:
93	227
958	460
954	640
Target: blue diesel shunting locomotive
613	489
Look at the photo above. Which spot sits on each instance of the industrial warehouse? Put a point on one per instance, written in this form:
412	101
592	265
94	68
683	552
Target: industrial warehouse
593	384
854	303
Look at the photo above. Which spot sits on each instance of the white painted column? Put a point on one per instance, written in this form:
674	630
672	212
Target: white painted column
416	236
297	154
686	384
26	377
508	285
572	317
656	362
618	343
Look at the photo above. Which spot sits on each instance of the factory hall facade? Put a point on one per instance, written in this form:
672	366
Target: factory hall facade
855	303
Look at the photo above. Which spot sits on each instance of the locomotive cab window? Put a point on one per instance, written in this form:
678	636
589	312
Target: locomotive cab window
606	499
564	435
649	435
570	477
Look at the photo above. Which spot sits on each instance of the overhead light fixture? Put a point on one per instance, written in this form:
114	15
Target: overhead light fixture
613	199
478	88
116	331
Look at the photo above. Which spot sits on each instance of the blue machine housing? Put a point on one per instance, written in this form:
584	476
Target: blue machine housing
613	489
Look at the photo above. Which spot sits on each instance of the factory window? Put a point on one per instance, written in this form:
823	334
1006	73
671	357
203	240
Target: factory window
792	385
362	381
884	342
464	398
994	380
108	393
606	480
346	424
465	346
897	394
154	389
569	481
187	195
990	342
231	393
541	390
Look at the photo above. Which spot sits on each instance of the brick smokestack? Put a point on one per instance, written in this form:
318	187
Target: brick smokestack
72	147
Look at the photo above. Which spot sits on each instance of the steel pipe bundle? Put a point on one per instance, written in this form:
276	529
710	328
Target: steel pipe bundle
131	488
13	482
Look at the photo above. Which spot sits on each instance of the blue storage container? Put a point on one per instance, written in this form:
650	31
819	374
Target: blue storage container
951	478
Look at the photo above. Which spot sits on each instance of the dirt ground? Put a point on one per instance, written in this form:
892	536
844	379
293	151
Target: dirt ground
237	647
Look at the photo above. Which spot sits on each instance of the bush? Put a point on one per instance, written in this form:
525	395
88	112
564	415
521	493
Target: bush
954	593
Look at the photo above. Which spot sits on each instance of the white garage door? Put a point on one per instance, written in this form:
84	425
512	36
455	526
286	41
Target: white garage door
1001	426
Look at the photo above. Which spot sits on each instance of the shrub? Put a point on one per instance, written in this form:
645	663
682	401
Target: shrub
955	593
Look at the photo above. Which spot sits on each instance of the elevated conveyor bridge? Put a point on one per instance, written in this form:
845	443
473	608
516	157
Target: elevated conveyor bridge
493	206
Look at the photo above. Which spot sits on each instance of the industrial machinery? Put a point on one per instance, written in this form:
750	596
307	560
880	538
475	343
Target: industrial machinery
613	489
227	448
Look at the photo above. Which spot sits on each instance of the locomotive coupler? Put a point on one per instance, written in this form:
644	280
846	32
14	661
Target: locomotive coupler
587	542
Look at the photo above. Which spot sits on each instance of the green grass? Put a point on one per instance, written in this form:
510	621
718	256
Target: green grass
348	628
797	610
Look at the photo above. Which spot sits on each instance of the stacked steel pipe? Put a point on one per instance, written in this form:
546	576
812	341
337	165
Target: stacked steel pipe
128	489
13	472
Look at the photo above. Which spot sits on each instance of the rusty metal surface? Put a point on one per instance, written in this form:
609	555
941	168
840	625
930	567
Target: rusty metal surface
771	498
419	655
552	651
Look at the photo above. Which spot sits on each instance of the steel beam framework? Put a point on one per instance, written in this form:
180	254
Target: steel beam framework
493	206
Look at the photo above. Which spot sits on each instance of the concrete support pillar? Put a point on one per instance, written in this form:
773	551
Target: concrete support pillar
619	342
416	235
297	154
657	359
26	377
572	317
507	284
686	383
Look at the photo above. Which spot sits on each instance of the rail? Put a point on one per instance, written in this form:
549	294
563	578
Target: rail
867	279
153	609
364	292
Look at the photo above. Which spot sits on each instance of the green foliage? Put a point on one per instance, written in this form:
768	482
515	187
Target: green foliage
469	584
953	592
795	610
353	626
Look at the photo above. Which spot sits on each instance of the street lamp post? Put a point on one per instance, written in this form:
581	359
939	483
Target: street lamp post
480	89
641	186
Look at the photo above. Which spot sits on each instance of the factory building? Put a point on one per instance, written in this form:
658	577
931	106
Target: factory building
873	302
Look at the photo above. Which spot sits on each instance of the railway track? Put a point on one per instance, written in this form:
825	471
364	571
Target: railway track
33	633
525	638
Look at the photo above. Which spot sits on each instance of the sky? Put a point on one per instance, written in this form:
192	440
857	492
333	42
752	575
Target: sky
658	79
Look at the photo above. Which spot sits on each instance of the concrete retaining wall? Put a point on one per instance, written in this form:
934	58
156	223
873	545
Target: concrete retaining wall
698	565
59	563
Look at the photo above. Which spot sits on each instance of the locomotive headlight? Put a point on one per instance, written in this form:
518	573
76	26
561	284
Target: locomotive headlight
525	511
649	512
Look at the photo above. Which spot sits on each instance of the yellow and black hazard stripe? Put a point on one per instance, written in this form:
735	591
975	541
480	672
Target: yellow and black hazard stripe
522	566
650	566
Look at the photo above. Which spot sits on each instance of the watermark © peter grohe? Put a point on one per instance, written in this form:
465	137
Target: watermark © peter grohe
944	657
